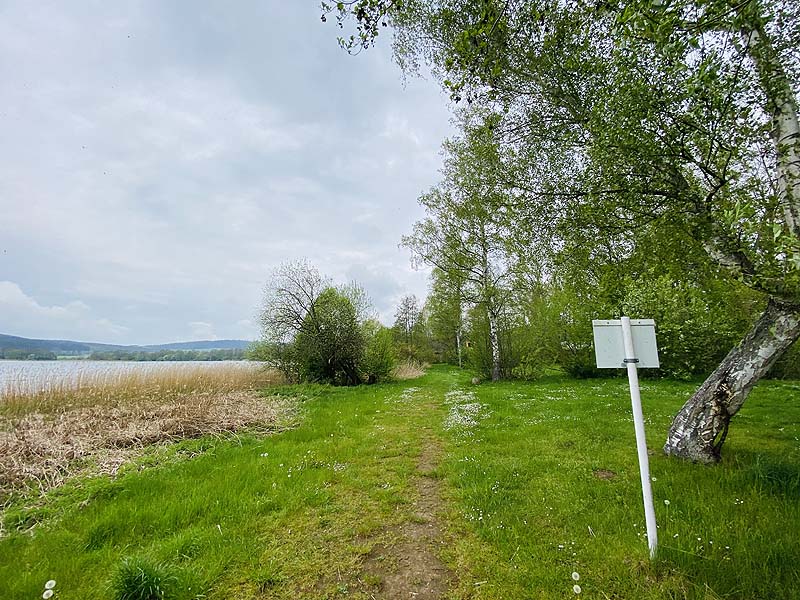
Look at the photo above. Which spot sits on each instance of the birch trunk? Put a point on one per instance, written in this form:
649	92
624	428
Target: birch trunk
458	345
494	340
782	105
699	430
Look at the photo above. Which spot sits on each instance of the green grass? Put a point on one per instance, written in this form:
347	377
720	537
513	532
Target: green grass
293	515
531	510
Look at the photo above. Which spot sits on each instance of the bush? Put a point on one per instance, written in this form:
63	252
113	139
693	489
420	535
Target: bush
312	331
330	344
379	356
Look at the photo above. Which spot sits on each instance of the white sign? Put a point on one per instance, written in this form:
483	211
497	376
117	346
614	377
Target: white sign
631	343
609	349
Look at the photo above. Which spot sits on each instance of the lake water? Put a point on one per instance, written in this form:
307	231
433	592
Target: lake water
35	375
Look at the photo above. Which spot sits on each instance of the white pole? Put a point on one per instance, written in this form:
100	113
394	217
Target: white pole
641	442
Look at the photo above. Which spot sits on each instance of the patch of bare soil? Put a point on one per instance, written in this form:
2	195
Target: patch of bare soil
604	474
411	567
44	450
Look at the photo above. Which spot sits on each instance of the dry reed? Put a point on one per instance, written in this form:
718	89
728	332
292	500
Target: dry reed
112	387
409	369
99	423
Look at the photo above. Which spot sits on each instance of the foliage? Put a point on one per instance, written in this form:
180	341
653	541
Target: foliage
13	354
444	311
170	355
379	355
312	330
329	345
407	320
695	327
788	367
259	351
537	334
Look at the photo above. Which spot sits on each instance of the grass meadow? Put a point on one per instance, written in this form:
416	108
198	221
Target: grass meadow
539	481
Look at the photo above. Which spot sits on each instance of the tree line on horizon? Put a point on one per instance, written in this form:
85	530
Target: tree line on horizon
131	355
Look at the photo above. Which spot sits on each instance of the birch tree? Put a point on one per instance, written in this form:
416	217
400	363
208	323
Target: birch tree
445	309
676	113
464	236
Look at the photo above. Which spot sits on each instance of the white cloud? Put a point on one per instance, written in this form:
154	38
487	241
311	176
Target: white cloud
25	315
202	331
158	162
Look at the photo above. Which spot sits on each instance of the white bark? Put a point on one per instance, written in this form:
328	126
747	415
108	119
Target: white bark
458	345
494	340
782	105
698	431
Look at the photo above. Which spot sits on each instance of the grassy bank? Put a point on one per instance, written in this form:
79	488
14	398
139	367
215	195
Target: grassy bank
537	481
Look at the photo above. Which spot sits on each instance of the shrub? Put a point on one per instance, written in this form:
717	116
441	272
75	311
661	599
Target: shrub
379	356
330	344
312	331
695	326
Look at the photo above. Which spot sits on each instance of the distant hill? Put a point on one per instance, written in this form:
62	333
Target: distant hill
203	345
69	347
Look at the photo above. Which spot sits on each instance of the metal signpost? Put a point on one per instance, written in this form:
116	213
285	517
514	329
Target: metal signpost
630	343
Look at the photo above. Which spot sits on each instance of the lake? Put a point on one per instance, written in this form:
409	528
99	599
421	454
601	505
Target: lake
37	375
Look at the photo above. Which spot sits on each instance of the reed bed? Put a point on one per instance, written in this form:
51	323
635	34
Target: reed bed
112	387
95	423
410	369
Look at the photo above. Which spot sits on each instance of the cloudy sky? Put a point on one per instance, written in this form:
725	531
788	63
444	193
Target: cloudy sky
159	159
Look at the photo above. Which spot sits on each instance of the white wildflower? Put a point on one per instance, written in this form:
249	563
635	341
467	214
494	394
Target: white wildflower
575	575
47	594
666	502
576	588
50	584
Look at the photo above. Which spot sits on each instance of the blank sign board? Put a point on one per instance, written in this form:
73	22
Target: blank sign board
610	351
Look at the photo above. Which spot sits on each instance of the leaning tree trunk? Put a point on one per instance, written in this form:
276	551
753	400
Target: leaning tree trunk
699	430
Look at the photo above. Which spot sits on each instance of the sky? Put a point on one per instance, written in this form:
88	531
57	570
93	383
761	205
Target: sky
160	159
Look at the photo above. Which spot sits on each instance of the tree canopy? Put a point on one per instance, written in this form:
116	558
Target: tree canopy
673	117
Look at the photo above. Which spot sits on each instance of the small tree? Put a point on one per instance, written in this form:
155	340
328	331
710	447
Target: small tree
406	319
330	344
312	331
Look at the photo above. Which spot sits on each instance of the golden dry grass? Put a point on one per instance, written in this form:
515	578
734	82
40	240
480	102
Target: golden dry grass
409	369
113	388
101	422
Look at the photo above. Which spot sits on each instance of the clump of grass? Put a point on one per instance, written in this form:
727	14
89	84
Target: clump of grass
143	385
409	369
268	577
139	579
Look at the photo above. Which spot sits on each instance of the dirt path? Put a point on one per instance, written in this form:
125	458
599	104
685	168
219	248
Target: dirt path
411	567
